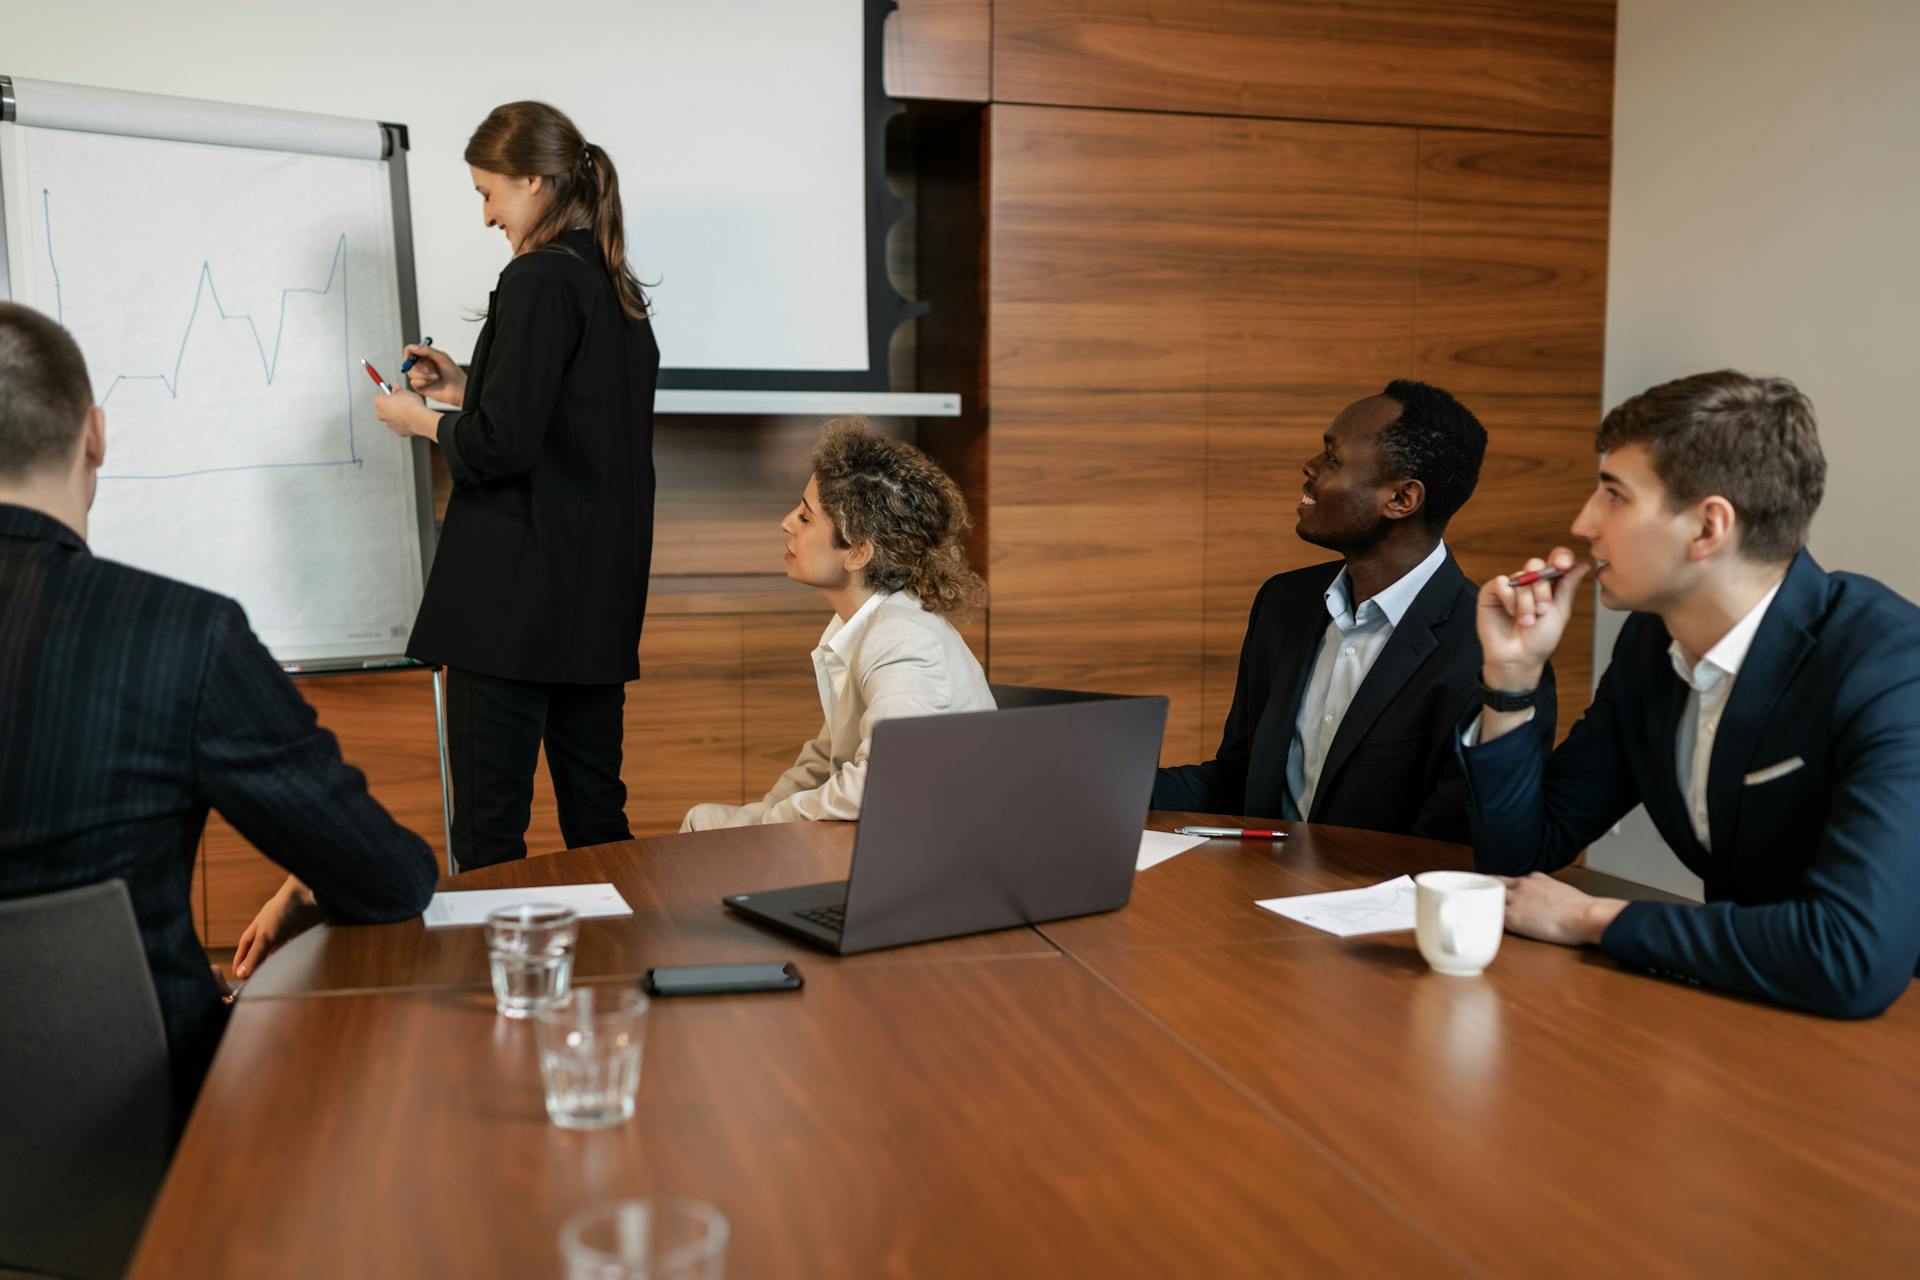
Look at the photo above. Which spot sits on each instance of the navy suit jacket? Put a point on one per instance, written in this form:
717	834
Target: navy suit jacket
1813	882
1392	765
129	703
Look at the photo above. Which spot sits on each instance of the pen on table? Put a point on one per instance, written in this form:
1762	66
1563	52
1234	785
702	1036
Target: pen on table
412	359
1231	833
374	373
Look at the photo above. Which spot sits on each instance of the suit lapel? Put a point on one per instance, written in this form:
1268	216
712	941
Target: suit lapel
1407	649
1298	632
1779	647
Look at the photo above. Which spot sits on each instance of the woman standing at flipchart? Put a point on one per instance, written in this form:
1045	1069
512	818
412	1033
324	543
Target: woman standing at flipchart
539	583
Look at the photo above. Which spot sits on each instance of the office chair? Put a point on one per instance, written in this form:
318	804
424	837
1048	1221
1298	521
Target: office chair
84	1084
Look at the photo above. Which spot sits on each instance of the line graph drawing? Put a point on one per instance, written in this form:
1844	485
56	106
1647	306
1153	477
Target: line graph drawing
205	286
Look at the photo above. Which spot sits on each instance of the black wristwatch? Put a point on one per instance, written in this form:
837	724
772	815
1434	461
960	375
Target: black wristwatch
1505	699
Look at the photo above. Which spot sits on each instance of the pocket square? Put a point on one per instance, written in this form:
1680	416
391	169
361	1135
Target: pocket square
1773	771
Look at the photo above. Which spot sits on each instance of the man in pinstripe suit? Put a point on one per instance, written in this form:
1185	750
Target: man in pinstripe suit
130	704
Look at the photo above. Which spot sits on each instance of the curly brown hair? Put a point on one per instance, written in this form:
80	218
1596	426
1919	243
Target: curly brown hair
890	494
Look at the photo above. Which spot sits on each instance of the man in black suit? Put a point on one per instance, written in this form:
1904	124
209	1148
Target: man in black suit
1350	721
1766	712
130	704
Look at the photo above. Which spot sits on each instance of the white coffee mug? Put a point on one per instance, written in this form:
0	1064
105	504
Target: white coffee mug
1459	917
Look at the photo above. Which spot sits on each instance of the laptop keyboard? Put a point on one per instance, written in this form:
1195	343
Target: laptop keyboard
834	918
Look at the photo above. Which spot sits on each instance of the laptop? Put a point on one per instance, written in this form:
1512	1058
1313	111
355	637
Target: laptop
986	820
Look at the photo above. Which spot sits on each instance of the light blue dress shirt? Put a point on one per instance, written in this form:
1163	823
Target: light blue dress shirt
1352	643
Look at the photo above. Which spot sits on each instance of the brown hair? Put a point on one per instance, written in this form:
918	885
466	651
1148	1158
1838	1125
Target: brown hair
532	139
1752	441
890	494
44	391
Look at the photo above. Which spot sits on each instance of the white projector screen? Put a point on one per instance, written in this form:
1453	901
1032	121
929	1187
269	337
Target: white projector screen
738	128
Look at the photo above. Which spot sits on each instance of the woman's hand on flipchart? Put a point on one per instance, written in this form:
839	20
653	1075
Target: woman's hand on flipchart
406	414
435	374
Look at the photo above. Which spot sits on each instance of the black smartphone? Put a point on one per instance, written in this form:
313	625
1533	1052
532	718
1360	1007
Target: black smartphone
720	979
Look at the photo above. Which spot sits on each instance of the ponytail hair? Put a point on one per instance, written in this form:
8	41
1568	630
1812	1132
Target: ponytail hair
890	494
532	139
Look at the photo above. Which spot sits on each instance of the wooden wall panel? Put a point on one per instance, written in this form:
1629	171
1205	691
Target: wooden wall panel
385	726
1533	65
1312	308
683	745
1097	285
780	697
940	49
1510	317
684	737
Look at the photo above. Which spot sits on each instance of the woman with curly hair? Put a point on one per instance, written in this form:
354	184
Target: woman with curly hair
878	531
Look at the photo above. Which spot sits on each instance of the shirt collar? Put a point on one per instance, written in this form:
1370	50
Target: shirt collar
1722	662
841	637
36	526
1394	601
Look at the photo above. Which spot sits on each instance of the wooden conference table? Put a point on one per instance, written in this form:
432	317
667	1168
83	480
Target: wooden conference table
1190	1086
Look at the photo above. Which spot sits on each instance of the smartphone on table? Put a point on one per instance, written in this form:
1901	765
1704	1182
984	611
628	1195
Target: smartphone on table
721	979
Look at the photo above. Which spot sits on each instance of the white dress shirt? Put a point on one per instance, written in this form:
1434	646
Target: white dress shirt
1709	684
1352	643
890	660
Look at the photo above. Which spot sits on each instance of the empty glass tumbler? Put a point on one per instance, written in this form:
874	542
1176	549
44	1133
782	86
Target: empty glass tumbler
656	1239
590	1043
530	952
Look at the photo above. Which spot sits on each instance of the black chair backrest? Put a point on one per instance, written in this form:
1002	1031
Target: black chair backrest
84	1083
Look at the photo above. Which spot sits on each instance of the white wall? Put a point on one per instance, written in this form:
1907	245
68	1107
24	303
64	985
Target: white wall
737	126
1766	216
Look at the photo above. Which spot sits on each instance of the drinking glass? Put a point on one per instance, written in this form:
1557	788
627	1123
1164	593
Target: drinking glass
530	953
666	1238
590	1042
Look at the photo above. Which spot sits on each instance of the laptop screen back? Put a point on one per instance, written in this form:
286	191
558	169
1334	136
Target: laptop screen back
991	819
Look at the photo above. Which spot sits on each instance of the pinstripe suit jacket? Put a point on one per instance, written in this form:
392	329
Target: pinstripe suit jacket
129	704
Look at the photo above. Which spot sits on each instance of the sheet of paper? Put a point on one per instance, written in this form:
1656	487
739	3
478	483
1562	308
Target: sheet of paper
1379	908
470	906
1157	846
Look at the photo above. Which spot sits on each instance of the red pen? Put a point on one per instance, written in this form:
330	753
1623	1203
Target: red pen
374	373
1231	833
1532	576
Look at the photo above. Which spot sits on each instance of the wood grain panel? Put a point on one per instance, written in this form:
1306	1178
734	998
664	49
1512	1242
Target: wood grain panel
683	745
684	741
1098	284
1313	238
941	50
673	883
1533	65
1510	316
384	723
780	697
1009	1117
1560	1114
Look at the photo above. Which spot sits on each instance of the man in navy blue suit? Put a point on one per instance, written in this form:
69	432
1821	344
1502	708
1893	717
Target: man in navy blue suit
1766	712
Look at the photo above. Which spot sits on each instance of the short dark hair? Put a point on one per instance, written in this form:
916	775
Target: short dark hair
44	391
1752	441
1435	440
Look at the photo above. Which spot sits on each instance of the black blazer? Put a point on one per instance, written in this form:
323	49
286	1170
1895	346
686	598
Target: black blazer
1392	766
541	571
1813	800
129	704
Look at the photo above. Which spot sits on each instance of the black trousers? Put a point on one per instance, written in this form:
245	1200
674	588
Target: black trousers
494	731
